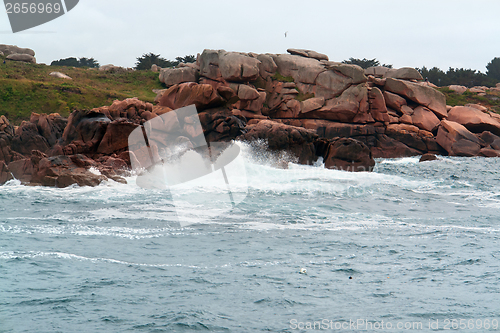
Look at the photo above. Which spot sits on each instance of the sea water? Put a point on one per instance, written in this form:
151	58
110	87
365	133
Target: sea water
409	247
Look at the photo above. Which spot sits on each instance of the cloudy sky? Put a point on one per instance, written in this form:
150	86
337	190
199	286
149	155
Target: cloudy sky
442	33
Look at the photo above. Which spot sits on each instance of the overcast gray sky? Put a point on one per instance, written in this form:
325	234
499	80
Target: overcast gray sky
442	33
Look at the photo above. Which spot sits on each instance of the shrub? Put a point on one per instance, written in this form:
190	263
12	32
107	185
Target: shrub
73	62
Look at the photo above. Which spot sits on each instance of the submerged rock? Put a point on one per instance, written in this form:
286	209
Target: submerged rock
428	157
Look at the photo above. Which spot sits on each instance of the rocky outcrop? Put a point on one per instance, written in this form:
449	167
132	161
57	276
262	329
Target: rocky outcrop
458	140
202	95
474	120
279	137
110	68
302	86
425	96
14	49
457	88
5	174
171	76
60	75
428	157
21	57
299	102
57	171
405	73
308	54
349	155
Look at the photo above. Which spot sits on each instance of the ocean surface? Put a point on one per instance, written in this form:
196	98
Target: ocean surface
410	247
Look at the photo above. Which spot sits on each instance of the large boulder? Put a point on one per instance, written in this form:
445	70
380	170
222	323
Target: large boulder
280	137
354	72
308	54
28	138
5	151
394	101
13	49
267	65
458	140
301	69
209	64
491	140
423	95
64	171
60	75
405	73
51	126
474	120
110	68
410	135
21	57
424	119
312	104
116	137
5	126
221	124
349	155
85	126
458	89
331	129
171	76
247	93
22	170
238	67
387	147
5	174
331	84
352	101
376	71
204	96
378	108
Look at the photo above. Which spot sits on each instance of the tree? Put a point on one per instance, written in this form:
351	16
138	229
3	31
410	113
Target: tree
493	69
460	76
73	62
365	63
186	59
434	75
147	60
89	62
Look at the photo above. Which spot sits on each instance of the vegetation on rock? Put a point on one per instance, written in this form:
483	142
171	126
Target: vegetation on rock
493	69
491	100
365	63
27	88
458	76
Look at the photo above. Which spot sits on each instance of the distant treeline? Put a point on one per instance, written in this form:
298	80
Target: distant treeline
460	76
73	62
150	59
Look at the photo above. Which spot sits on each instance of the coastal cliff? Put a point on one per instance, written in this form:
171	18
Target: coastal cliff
299	102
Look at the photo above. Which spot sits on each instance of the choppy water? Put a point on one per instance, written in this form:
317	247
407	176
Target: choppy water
407	243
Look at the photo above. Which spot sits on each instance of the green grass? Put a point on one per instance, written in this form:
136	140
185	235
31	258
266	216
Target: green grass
302	97
278	77
491	100
27	88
